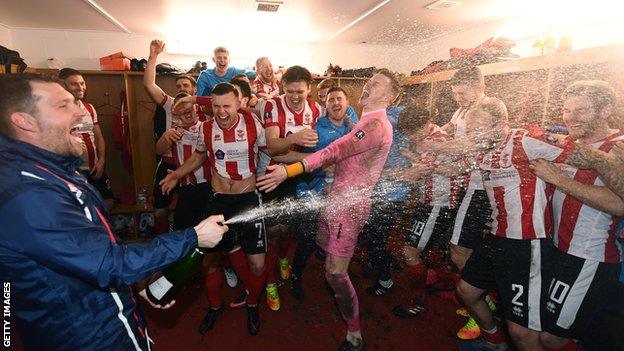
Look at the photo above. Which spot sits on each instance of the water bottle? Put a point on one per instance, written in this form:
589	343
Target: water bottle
142	196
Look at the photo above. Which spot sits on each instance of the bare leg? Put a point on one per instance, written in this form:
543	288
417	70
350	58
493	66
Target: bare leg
472	297
459	255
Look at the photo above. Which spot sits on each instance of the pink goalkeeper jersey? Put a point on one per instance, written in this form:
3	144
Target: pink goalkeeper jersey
359	156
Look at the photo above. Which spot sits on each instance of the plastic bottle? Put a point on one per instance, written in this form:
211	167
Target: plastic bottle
142	196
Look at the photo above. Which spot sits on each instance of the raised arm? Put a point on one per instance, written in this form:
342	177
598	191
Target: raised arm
149	77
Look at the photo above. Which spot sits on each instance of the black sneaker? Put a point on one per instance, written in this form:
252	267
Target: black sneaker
379	290
348	346
296	290
408	311
253	320
209	320
240	300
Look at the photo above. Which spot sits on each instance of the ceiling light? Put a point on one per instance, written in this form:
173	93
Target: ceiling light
445	5
268	6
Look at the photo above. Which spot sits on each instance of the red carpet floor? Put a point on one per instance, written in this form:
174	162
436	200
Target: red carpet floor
314	324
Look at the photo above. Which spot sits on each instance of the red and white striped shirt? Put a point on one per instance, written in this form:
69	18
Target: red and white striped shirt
519	200
277	113
437	189
182	149
233	152
172	121
89	149
580	229
472	179
261	87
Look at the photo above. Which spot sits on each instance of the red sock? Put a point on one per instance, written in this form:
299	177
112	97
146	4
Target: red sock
435	257
495	338
283	243
446	279
568	346
238	259
417	273
432	277
213	283
161	226
255	287
271	263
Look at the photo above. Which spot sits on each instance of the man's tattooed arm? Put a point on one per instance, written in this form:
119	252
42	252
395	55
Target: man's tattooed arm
609	167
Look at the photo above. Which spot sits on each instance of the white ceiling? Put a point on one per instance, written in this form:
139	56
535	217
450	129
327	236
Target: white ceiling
397	22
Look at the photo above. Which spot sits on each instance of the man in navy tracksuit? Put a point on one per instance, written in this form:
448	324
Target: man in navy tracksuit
70	275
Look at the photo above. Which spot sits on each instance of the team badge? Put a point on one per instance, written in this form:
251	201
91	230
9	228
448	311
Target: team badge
219	154
240	135
360	134
307	119
486	175
505	161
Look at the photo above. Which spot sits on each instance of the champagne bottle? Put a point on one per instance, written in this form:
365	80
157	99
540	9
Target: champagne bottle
174	278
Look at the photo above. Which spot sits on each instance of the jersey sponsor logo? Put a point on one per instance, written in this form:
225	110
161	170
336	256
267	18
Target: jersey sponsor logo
217	137
219	154
360	134
240	135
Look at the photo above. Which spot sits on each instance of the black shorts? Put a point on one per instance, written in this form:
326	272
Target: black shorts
432	227
102	185
573	288
513	269
472	219
283	193
250	234
384	217
191	206
161	200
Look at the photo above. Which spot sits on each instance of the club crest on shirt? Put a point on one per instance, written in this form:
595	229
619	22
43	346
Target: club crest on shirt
486	175
219	154
360	134
240	135
505	160
307	119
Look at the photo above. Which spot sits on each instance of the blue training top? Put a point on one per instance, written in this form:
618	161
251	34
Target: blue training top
328	132
208	79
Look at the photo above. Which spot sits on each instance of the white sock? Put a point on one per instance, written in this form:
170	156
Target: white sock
491	331
355	337
386	283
